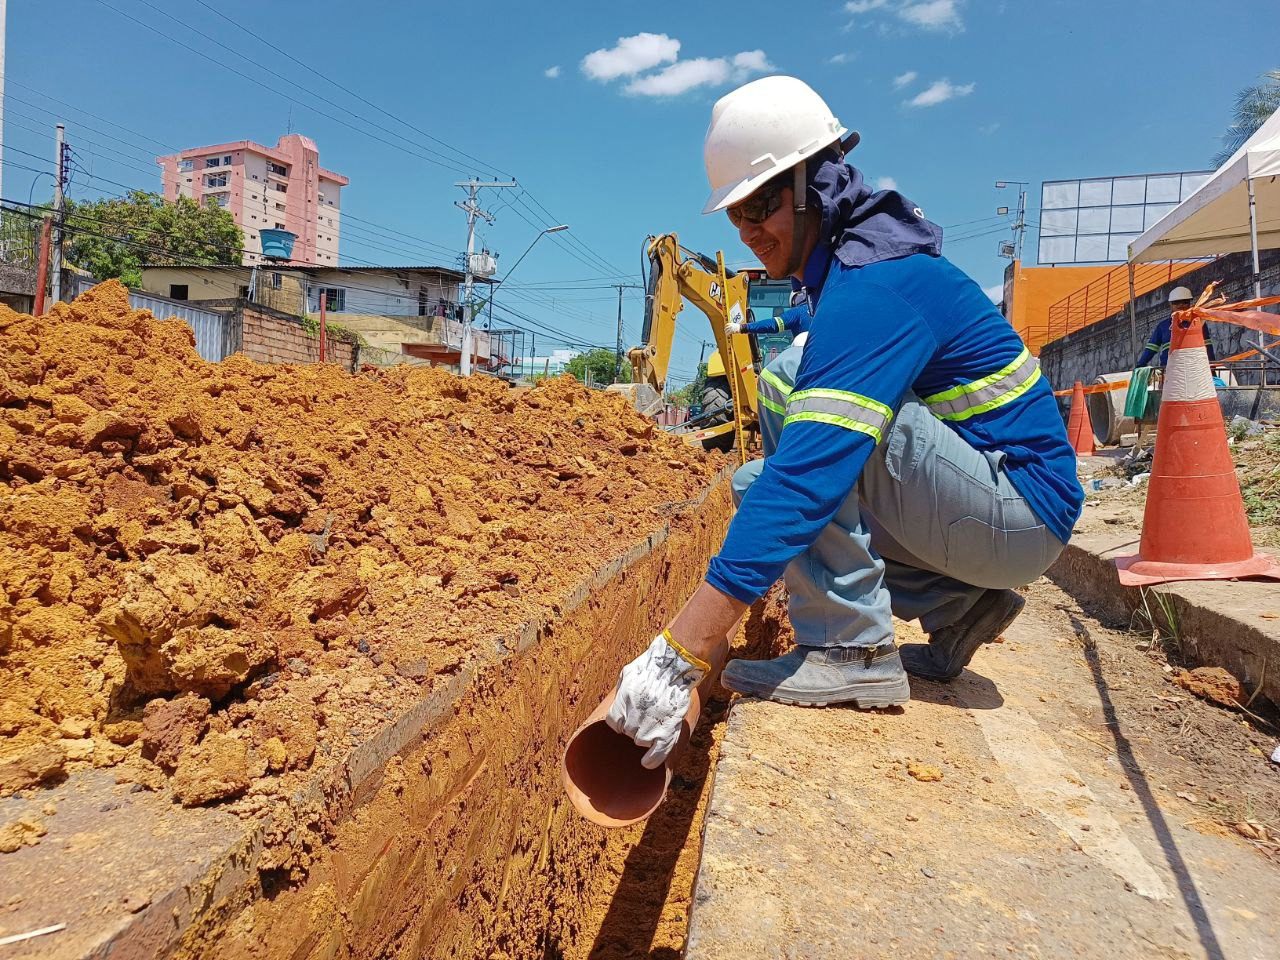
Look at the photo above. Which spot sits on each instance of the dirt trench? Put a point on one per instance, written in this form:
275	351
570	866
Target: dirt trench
291	653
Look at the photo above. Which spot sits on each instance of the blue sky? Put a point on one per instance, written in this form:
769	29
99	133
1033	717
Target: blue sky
605	134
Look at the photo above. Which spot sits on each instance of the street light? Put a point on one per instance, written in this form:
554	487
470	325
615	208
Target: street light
493	290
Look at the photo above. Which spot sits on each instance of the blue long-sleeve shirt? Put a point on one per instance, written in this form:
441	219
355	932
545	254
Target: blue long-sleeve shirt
792	320
914	323
1157	347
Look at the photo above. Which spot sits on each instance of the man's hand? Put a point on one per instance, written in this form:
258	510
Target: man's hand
731	328
652	698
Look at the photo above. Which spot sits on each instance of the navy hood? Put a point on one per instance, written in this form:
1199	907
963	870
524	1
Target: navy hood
862	227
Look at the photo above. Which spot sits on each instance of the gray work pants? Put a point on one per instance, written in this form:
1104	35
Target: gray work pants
929	526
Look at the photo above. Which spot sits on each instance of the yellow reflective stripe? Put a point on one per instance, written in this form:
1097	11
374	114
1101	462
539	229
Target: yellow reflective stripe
777	408
967	388
999	401
839	408
834	420
771	378
855	398
782	324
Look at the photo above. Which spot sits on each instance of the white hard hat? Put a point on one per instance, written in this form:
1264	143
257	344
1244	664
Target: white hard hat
761	129
1180	293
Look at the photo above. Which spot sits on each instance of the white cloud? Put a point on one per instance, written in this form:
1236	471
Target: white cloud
631	55
902	79
551	72
886	183
925	14
995	292
940	91
933	15
751	61
987	129
840	58
686	75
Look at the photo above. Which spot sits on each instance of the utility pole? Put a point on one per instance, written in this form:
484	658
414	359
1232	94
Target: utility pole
617	364
1020	222
473	212
60	181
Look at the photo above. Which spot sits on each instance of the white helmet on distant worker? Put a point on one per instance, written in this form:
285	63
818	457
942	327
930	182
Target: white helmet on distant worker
1180	293
762	129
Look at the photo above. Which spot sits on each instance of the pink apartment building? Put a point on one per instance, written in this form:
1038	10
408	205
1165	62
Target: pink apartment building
281	187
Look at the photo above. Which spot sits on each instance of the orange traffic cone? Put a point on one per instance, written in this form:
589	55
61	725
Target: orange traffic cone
1079	426
1194	526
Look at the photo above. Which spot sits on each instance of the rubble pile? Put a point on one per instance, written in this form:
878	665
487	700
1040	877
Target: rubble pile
213	574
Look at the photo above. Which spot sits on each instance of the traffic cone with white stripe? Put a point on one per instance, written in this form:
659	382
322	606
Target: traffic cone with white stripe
1079	426
1194	526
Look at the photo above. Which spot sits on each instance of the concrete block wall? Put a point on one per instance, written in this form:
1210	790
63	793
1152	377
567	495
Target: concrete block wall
275	338
1106	346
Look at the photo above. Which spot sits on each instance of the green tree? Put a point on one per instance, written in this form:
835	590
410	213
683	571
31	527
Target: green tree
600	364
1254	104
114	237
691	392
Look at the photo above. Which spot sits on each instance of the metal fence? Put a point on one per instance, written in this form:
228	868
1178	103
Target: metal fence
208	326
1107	296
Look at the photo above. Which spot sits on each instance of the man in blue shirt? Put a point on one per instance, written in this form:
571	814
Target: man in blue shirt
915	461
1157	347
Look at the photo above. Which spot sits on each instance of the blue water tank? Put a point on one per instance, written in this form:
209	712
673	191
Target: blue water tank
277	244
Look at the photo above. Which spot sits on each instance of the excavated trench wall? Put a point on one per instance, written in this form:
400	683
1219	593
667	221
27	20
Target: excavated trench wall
452	837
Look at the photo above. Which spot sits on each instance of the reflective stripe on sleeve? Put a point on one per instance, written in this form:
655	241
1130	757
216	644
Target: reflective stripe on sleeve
992	391
782	324
840	408
773	392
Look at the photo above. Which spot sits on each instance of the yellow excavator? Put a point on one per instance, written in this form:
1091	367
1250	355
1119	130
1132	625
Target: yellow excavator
729	416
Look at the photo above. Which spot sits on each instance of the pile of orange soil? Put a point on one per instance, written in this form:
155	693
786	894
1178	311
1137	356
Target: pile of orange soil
213	574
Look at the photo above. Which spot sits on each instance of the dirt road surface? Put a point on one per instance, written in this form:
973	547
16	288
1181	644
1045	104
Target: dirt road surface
1063	798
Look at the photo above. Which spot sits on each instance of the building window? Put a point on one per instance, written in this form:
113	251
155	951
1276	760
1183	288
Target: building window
281	226
226	161
253	216
281	187
216	200
279	206
212	162
277	169
275	281
184	165
177	291
335	299
254	175
215	180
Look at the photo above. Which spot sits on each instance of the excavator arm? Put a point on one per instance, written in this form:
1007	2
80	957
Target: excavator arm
718	293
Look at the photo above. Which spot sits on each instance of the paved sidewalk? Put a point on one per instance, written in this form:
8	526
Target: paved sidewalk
1061	799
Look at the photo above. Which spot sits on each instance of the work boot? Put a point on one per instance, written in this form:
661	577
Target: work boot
950	649
817	676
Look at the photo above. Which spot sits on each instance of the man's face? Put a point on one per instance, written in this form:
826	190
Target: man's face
765	224
1180	305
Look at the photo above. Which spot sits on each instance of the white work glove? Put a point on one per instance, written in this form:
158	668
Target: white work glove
731	328
652	698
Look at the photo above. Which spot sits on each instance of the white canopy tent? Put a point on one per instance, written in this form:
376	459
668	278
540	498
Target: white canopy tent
1235	210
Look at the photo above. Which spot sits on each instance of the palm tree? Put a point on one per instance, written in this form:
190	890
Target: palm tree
1254	105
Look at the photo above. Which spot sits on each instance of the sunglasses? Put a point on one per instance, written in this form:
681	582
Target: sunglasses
758	207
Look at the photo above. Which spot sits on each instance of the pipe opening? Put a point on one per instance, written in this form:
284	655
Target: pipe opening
605	779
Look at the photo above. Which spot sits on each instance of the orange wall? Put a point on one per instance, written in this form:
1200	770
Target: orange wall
1035	290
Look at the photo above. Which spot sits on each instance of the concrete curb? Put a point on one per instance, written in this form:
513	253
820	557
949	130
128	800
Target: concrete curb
1230	624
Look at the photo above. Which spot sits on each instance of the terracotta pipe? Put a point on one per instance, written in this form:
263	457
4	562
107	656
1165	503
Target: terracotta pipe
601	769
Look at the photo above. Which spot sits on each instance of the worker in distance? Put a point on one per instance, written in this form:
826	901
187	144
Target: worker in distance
915	460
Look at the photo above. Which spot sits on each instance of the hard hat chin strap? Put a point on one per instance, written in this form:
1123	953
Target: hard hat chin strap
799	196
